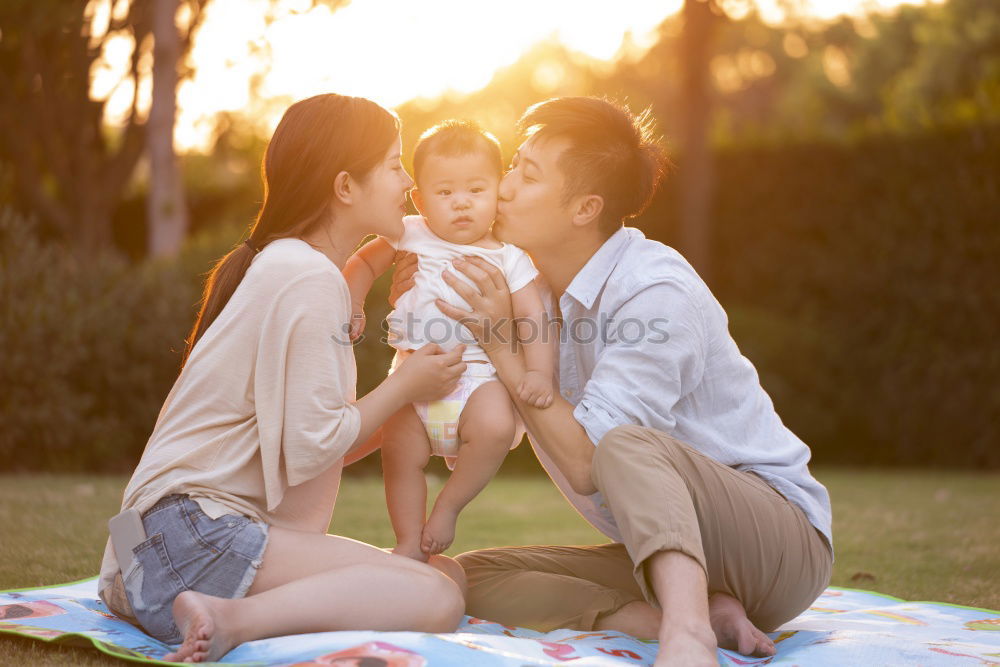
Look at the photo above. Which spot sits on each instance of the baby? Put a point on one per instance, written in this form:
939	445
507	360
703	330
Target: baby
457	167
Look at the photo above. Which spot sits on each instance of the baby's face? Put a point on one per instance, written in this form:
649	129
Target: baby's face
458	196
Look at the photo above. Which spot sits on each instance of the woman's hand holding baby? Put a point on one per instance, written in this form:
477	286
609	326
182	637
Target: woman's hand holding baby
402	275
430	373
357	326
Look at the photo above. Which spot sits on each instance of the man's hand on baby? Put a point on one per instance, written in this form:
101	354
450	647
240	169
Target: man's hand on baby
536	389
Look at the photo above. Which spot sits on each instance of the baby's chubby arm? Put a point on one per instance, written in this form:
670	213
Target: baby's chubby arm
540	345
362	268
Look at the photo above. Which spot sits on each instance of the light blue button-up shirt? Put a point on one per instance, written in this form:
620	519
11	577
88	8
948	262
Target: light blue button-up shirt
644	341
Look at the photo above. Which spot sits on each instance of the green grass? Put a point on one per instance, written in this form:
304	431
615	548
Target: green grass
915	535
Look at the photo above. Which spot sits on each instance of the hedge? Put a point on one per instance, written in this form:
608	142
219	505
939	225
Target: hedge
859	279
862	281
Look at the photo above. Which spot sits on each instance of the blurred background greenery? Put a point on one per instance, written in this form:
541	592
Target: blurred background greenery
836	182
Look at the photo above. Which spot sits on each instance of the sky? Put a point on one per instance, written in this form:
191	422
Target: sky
389	50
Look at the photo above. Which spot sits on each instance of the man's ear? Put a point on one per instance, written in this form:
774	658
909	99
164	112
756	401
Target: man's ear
343	188
587	209
418	199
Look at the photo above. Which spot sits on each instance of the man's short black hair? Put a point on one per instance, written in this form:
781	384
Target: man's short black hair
613	153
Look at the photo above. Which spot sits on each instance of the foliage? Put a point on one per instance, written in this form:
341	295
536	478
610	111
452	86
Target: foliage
861	281
858	279
920	67
856	175
69	167
908	71
90	349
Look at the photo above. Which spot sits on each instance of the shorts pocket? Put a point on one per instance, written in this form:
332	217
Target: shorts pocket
216	535
151	584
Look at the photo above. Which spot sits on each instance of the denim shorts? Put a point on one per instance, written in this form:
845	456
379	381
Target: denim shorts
186	550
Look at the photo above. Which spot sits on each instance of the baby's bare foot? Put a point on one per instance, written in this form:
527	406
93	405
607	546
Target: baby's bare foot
411	549
733	629
200	619
439	531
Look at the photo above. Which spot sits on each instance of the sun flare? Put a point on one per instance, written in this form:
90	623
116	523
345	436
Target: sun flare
255	56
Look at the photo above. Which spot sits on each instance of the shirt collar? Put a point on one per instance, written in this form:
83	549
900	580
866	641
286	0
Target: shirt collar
590	280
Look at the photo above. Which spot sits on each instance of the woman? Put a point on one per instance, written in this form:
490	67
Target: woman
237	483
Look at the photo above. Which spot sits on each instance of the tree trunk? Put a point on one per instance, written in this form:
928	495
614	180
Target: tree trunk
695	164
167	212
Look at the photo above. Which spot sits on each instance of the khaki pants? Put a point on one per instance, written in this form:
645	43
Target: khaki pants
753	543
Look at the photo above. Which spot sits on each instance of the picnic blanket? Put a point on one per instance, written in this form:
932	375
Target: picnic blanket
844	627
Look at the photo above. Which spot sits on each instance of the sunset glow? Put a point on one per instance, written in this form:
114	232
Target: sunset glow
389	50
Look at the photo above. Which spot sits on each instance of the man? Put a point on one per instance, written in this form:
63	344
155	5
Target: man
662	436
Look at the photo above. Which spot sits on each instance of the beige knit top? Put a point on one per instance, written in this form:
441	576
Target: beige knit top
264	402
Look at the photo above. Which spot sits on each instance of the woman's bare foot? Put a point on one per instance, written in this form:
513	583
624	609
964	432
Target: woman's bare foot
411	549
687	648
200	619
439	531
734	631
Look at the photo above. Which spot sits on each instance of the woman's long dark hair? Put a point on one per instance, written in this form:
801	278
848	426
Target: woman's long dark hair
317	138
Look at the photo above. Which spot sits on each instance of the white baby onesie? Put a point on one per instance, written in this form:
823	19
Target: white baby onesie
416	320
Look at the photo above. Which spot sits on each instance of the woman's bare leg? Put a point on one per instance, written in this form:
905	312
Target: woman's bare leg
405	452
486	428
310	582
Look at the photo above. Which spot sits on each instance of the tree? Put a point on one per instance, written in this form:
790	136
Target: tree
700	20
68	167
167	214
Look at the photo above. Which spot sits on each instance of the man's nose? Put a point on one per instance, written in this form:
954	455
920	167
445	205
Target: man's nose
506	191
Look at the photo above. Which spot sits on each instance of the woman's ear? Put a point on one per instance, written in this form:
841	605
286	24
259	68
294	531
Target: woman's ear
587	209
418	200
343	188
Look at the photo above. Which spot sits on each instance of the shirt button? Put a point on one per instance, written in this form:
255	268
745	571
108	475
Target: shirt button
568	393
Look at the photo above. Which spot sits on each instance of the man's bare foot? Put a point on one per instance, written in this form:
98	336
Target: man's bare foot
733	629
439	531
687	648
411	549
200	619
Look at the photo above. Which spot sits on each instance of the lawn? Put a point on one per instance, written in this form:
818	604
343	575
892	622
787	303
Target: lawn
919	535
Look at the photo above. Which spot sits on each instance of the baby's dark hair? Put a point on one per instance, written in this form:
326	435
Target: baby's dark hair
452	138
612	153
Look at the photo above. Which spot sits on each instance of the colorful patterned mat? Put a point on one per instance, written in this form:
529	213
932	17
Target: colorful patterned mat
845	627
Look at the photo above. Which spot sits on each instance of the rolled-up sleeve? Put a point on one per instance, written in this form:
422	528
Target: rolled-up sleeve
654	354
304	383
